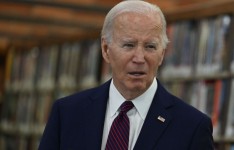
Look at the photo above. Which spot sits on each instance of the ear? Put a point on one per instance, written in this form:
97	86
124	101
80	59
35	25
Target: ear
105	50
162	56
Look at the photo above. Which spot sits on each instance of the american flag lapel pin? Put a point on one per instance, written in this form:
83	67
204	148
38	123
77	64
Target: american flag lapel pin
161	119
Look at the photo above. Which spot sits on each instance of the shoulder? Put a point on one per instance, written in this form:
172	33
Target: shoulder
180	109
189	116
185	109
186	121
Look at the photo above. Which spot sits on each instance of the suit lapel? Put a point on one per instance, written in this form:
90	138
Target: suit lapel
95	118
156	120
151	131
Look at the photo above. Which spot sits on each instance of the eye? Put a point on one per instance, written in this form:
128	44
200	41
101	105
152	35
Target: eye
151	47
128	45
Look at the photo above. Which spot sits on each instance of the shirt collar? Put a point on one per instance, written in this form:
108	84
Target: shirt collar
115	99
141	103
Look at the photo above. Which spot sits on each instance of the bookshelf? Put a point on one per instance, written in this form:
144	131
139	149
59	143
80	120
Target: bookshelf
35	72
198	69
35	78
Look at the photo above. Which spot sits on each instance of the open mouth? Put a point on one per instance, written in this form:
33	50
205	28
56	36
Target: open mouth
137	73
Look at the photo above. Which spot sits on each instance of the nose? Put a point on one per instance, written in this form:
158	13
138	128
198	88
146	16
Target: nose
139	55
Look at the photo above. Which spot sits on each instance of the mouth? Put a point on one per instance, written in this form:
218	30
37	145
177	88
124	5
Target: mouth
137	73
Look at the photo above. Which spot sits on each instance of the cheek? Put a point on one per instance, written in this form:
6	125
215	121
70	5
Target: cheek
117	64
159	59
154	63
118	58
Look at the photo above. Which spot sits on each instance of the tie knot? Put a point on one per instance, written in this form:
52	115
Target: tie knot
126	106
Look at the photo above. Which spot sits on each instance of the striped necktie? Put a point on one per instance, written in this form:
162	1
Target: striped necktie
119	133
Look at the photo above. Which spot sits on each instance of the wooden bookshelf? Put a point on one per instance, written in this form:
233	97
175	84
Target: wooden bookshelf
69	20
198	9
201	73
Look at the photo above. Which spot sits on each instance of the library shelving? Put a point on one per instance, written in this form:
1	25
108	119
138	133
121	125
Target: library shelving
198	64
35	78
198	68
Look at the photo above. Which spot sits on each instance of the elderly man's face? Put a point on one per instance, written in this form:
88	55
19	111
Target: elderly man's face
135	52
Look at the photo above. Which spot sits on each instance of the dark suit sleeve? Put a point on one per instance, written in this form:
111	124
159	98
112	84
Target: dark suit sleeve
203	139
50	137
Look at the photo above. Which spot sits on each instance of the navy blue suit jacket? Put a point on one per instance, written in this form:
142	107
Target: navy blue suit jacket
76	123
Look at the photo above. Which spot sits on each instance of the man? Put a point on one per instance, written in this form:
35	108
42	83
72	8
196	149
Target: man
133	43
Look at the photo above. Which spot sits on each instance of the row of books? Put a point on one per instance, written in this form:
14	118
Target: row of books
25	110
229	131
66	66
231	44
197	47
9	142
214	98
34	79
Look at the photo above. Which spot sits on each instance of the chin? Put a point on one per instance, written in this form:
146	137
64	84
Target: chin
138	87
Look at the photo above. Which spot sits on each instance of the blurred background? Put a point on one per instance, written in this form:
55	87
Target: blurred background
51	48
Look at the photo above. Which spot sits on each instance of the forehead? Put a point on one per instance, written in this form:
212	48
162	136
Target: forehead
127	18
137	24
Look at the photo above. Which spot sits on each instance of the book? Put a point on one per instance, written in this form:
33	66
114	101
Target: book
196	47
46	68
90	59
229	129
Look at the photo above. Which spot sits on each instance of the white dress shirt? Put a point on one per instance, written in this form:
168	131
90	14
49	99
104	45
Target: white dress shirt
136	115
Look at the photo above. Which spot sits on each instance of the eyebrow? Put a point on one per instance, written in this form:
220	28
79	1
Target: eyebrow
127	39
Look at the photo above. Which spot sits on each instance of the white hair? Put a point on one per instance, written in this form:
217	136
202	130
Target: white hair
135	6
